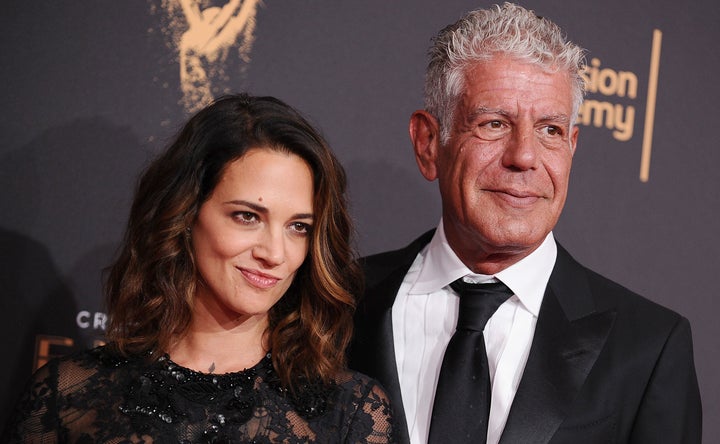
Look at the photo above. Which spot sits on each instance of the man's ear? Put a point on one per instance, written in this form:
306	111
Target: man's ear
425	136
574	138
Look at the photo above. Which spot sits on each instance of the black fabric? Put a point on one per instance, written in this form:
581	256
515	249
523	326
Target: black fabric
606	365
464	381
96	397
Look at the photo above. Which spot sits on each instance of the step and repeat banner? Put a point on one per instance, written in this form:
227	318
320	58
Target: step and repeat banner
91	90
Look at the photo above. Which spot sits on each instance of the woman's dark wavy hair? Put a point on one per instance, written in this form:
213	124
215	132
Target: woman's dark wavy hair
150	288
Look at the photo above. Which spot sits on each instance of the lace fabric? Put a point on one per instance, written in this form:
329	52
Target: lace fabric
94	397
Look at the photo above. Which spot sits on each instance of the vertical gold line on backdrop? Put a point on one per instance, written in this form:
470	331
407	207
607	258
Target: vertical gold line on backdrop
650	107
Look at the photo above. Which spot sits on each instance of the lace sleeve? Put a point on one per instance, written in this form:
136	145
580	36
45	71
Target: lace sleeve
372	422
35	417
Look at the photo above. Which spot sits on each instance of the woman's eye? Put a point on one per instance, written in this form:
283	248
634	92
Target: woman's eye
300	227
245	217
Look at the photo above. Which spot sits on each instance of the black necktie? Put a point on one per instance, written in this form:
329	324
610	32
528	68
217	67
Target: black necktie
462	399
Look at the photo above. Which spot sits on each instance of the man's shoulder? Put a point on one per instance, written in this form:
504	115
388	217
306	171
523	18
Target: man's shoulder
377	266
608	294
629	302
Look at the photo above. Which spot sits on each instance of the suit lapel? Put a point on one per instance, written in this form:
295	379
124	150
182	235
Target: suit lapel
383	361
374	352
569	336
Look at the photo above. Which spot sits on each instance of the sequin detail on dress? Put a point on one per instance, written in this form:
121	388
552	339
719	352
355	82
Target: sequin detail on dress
97	397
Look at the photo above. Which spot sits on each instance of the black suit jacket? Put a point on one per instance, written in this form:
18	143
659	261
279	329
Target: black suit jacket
605	366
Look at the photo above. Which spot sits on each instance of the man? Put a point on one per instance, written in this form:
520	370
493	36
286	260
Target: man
572	356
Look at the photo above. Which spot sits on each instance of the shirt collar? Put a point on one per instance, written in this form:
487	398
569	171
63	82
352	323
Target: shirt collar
440	266
527	278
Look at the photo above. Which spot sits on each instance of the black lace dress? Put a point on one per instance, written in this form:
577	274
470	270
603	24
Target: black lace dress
93	397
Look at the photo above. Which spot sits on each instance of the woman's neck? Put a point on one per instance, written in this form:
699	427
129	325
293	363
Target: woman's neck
212	347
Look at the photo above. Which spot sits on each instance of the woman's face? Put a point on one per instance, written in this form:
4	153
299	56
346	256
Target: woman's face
252	235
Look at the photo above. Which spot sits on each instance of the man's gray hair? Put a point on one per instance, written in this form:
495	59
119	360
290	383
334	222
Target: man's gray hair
508	30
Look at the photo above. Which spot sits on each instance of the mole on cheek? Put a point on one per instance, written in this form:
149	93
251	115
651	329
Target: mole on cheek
260	199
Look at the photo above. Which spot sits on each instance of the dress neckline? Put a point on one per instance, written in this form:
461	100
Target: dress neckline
166	362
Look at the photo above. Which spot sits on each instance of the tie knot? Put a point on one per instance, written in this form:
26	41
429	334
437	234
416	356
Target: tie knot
478	302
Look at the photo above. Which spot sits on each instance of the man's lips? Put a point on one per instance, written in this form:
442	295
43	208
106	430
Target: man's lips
258	279
516	197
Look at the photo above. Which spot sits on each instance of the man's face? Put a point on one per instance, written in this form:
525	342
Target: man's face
503	174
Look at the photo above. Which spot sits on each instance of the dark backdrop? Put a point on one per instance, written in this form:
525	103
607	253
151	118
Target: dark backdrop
92	89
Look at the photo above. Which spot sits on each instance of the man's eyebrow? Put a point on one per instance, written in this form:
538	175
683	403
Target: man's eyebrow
480	110
562	118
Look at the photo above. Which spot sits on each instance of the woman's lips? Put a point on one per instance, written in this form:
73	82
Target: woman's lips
258	279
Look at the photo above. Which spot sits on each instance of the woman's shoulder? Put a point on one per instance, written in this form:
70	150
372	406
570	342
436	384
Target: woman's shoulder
371	407
362	387
355	378
82	368
65	388
88	359
348	392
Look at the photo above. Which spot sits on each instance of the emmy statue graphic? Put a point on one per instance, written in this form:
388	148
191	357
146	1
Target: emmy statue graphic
209	34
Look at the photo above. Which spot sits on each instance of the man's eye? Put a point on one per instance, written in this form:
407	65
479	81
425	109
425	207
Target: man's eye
553	130
495	124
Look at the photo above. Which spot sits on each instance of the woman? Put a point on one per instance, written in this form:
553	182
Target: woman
230	303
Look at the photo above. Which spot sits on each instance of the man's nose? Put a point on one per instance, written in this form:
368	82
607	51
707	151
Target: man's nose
521	151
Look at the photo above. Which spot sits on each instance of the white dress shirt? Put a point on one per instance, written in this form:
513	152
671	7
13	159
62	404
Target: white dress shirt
424	316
